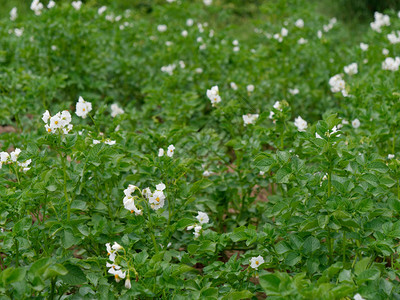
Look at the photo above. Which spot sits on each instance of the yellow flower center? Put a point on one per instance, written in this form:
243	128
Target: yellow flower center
116	276
49	130
158	199
257	262
131	211
83	109
56	122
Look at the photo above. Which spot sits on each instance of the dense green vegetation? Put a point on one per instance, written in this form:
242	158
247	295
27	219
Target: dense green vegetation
195	150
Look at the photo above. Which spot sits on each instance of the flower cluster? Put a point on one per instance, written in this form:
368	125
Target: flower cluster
391	64
129	200
37	7
250	119
76	4
59	123
13	14
202	217
6	158
277	106
338	85
380	21
115	269
83	108
213	95
170	151
156	198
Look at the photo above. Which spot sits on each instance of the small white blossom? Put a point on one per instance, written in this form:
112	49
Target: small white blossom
390	156
249	119
213	95
184	33
128	284
83	108
207	2
250	88
358	297
355	123
76	4
300	124
37	7
160	152
51	4
364	47
385	51
302	41
294	91
299	23
233	86
101	10
202	217
189	22
13	14
255	262
116	110
162	28
380	21
351	69
206	173
337	83
170	150
169	69
391	64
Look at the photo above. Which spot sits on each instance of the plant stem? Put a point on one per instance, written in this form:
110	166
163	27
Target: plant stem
344	247
16	252
65	187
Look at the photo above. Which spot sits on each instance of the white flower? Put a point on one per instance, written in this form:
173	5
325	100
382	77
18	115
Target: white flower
184	33
394	37
117	247
37	7
213	95
255	262
46	116
337	83
51	4
83	108
129	200
250	88
170	150
18	31
358	297
390	156
206	173
189	22
262	173
4	156
116	110
319	34
380	21
249	119
146	193
162	28
351	69
128	284
14	154
299	23
198	70
76	4
160	187
284	32
277	105
13	14
300	124
207	2
236	49
202	217
109	142
169	69
302	41
385	51
118	274
101	10
233	86
112	253
157	199
95	142
197	229
160	152
182	64
355	123
318	136
112	266
391	64
294	91
364	47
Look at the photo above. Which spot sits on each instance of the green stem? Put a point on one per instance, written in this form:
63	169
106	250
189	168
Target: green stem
16	173
65	187
53	285
330	246
16	253
344	247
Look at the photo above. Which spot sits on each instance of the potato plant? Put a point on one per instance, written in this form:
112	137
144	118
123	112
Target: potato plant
197	150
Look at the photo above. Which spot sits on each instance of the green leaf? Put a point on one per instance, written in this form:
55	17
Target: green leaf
75	275
238	295
270	283
368	275
54	270
311	244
